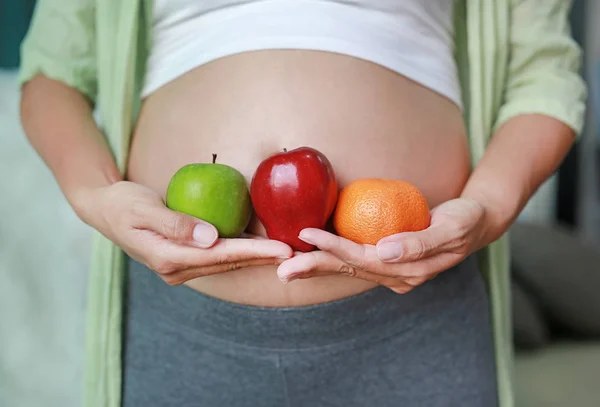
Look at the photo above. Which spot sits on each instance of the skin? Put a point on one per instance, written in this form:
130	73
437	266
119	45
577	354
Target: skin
512	169
59	124
367	120
272	96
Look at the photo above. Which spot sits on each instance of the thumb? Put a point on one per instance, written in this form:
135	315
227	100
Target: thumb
181	228
412	246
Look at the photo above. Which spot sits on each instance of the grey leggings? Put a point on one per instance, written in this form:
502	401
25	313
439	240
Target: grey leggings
431	347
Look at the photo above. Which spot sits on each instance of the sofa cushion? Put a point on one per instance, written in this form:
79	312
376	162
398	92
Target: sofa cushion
562	273
530	328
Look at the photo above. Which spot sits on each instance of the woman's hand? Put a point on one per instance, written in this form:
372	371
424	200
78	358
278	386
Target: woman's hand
402	261
177	246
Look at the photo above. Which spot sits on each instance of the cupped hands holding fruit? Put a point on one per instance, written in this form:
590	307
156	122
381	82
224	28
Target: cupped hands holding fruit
388	236
179	246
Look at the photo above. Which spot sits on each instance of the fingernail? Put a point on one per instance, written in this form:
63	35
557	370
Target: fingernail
303	236
204	234
389	251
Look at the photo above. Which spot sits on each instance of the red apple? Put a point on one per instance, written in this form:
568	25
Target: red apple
293	190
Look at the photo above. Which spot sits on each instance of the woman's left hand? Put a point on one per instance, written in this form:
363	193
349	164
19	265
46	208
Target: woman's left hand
402	261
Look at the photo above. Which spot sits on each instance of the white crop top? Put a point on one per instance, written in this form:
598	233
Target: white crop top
414	38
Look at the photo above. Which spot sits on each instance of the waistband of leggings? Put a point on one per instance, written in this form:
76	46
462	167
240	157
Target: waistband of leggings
376	312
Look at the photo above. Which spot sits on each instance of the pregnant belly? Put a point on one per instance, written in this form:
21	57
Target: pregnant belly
369	122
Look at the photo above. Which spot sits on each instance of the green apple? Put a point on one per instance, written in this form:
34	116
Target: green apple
215	193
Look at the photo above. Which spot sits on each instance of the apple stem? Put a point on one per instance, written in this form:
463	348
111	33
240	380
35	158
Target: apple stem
214	158
285	150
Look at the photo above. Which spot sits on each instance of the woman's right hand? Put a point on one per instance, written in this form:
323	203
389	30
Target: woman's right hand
177	246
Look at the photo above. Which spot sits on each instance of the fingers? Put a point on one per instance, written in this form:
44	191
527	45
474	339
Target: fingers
177	264
403	279
361	257
309	264
454	228
352	253
319	263
169	257
231	250
192	273
179	227
414	246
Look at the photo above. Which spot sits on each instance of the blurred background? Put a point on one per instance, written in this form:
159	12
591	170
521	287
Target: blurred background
44	251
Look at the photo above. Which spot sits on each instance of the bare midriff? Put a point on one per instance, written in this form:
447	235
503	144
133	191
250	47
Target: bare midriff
368	120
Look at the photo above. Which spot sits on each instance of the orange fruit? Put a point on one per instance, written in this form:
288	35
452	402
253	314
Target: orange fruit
370	209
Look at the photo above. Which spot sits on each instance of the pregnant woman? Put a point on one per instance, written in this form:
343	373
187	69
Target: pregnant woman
474	102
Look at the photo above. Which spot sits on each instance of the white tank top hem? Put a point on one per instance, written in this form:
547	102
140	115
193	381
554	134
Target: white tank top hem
404	42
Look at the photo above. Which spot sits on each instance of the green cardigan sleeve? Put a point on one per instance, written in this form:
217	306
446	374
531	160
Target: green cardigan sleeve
543	66
61	44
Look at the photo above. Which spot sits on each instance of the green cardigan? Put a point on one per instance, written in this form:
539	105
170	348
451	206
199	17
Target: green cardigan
514	57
